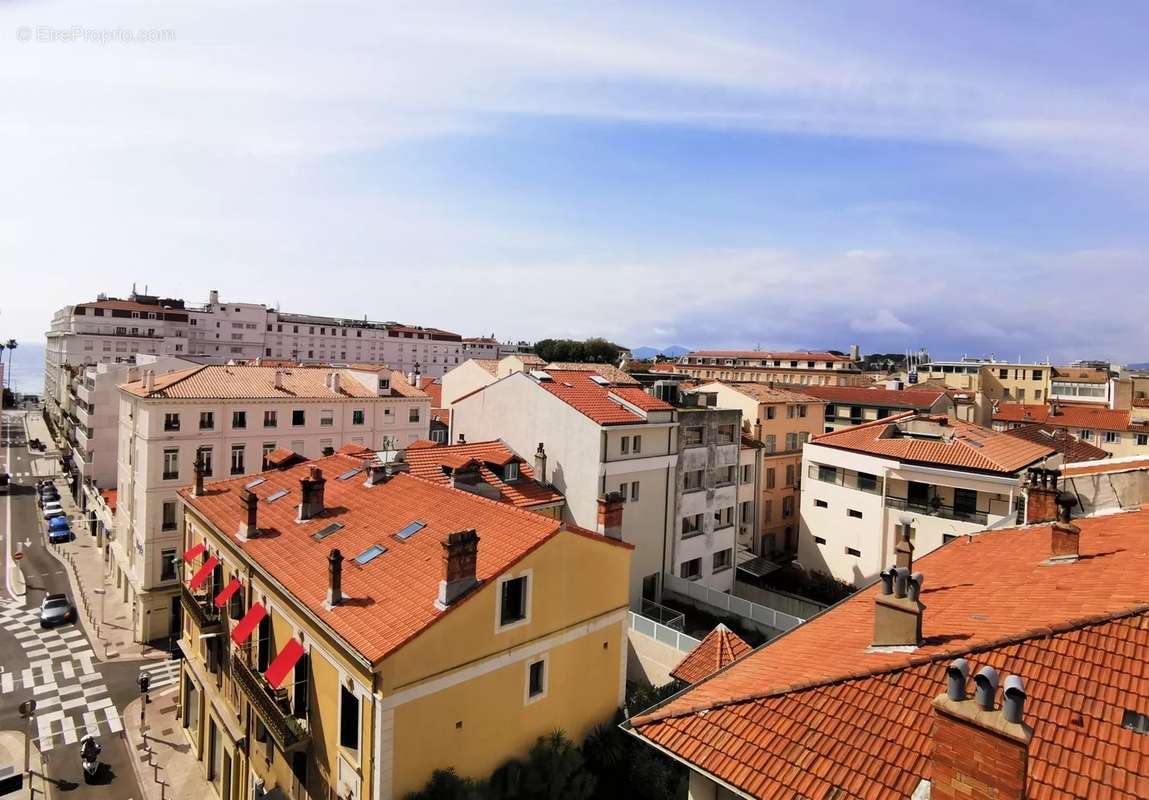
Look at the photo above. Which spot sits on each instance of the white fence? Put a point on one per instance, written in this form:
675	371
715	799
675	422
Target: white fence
661	633
759	615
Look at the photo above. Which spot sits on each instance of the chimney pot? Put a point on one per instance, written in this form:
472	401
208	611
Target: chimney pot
915	586
901	581
887	577
460	561
376	473
1013	699
986	683
333	382
904	549
1041	495
335	575
541	466
279	379
311	494
957	673
149	380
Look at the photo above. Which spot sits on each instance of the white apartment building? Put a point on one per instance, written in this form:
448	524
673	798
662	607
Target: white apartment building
599	438
232	418
488	347
941	476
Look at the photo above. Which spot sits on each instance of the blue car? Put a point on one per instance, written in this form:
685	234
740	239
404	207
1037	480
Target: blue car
58	523
59	533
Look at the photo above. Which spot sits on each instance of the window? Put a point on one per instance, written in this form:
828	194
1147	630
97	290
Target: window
171	465
1112	437
1003	374
853	512
771	412
171	422
747	473
622	487
693	435
691	526
1037	374
206	420
536	680
413	414
821	504
270	419
819	540
692	480
1085	434
792	441
691	570
513	601
636	444
237	459
205	460
724	475
724	517
511	471
358	416
723	560
348	719
1142	439
726	434
239	419
326	418
298	417
746	512
788	506
624	445
789	475
851	551
633	490
868	482
268	449
771	445
169	519
168	562
770	478
791	411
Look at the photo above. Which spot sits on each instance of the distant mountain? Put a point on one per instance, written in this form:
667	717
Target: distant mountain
1142	365
643	353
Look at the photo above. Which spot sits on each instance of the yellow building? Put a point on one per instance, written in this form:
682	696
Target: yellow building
436	629
997	380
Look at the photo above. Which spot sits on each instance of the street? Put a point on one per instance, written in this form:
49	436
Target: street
57	667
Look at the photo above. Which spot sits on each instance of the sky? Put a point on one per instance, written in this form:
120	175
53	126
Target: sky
964	177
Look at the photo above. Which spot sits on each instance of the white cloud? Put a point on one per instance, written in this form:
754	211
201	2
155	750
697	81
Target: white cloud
882	321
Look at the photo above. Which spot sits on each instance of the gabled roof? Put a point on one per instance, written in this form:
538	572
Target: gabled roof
720	647
258	382
816	713
391	598
940	441
908	399
764	393
600	403
428	463
1068	416
1060	440
433	388
609	371
489	364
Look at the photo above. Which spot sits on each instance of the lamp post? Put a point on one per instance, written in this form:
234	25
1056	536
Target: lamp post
144	681
28	712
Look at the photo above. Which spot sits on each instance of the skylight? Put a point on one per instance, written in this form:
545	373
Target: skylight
254	483
600	380
319	536
410	530
374	551
271	498
351	473
541	375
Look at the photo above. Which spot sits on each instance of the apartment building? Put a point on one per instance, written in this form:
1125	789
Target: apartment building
476	373
853	405
1004	381
782	421
231	419
939	476
998	666
802	368
1119	433
1081	385
599	438
110	330
488	347
350	628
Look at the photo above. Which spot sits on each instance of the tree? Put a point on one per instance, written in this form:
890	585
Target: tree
595	350
446	785
554	771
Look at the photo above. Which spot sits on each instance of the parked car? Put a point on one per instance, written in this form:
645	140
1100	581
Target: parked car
5	481
49	497
57	522
53	510
56	609
45	483
60	535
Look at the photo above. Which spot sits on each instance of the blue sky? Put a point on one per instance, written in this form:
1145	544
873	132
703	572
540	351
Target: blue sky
968	177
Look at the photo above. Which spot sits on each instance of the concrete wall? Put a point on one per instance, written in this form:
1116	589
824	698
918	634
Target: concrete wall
462	380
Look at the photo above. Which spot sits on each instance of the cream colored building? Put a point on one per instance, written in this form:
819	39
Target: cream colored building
232	419
801	368
1004	381
942	477
599	438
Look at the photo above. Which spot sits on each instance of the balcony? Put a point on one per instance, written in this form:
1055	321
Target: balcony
860	481
936	508
202	610
271	705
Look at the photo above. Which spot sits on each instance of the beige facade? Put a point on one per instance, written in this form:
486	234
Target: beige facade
998	380
800	369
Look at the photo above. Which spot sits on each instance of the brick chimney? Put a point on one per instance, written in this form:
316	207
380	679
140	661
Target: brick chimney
541	466
904	549
311	494
897	610
1041	495
335	579
979	753
197	470
460	558
610	515
248	527
1065	537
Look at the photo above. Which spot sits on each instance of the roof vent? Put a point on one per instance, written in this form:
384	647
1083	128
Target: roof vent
541	376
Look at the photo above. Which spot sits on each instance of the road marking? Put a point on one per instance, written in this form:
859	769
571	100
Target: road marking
6	683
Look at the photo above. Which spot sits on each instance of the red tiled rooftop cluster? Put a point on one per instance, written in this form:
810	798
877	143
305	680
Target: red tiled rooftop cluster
1069	416
600	403
428	462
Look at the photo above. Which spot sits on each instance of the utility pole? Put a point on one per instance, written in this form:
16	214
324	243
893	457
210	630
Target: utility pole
28	712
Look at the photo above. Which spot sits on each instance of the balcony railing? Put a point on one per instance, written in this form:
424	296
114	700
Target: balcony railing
851	480
202	610
938	509
271	705
663	615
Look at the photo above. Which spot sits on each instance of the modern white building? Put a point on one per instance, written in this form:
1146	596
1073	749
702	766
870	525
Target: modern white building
941	476
488	347
232	419
599	438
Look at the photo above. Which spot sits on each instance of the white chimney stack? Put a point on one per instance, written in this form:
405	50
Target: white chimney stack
279	379
149	380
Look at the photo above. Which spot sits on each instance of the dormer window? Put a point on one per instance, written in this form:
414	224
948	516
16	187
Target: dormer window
511	471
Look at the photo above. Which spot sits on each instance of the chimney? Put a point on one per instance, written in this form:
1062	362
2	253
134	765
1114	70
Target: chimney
248	528
979	753
335	579
904	549
333	382
758	429
279	379
311	494
541	466
462	439
610	515
197	469
1041	495
376	473
1065	537
898	609
213	297
149	381
460	558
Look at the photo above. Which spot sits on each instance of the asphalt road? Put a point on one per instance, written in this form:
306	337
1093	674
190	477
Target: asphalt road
22	642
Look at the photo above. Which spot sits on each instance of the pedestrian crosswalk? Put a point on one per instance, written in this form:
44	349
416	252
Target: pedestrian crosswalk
163	676
71	696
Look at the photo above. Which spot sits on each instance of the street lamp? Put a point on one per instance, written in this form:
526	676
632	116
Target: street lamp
28	712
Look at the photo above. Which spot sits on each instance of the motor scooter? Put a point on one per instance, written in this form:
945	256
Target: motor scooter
90	757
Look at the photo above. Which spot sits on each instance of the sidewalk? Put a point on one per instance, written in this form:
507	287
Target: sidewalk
166	768
12	755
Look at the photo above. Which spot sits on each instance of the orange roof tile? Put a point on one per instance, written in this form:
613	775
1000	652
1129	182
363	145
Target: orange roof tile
609	371
765	393
257	382
595	401
433	389
1060	440
1114	465
942	440
428	463
909	399
720	647
817	713
1069	416
392	598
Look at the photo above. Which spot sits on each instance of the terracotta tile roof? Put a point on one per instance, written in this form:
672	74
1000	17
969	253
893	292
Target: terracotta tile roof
909	399
489	364
767	354
1060	440
109	496
284	456
1126	464
961	444
428	463
609	371
813	714
576	388
764	393
720	647
1080	375
433	389
1069	416
391	598
131	305
663	367
251	382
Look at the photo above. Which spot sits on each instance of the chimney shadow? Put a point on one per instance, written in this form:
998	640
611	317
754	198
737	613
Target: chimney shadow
1091	556
268	533
930	641
946	588
358	602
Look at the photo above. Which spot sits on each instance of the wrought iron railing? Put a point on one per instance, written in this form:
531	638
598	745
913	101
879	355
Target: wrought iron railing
202	610
272	706
938	509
